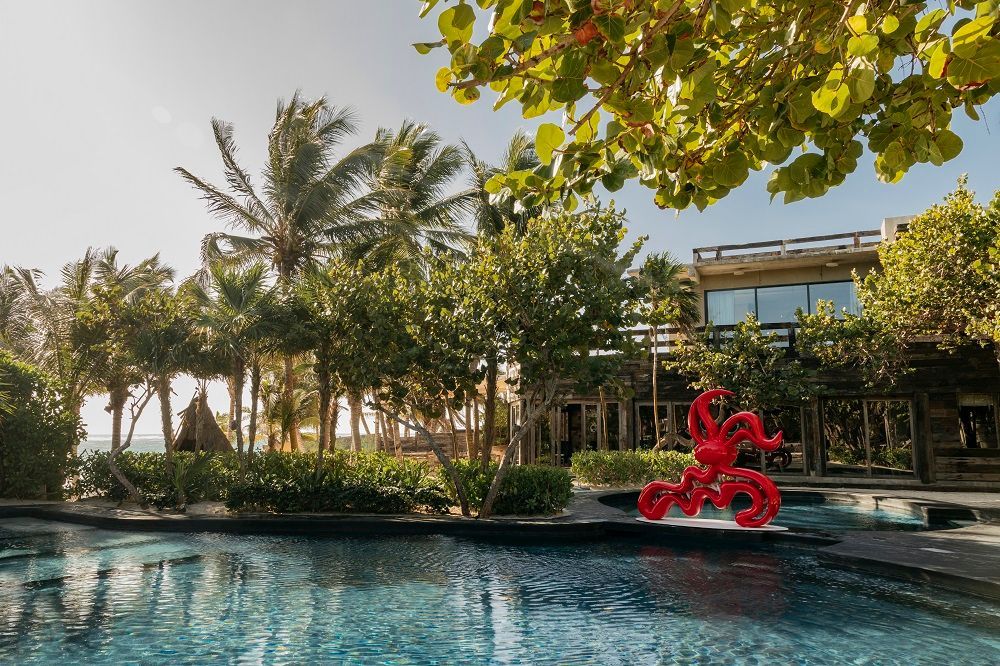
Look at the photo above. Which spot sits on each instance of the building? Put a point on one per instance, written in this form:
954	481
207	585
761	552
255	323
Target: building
938	424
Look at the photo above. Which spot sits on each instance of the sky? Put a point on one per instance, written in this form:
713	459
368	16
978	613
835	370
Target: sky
106	97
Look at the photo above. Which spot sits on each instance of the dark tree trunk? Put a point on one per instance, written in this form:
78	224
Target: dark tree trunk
254	399
166	420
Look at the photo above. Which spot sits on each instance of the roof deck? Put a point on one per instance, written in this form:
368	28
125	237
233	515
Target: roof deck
805	250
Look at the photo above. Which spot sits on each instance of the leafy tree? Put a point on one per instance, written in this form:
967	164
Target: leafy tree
668	298
939	277
232	311
749	363
310	202
561	308
689	96
162	328
851	342
491	214
39	432
105	294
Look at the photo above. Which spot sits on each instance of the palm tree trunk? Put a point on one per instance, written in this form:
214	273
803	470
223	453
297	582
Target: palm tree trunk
117	398
475	427
355	404
656	408
166	420
254	399
490	413
470	443
239	377
231	387
294	436
324	411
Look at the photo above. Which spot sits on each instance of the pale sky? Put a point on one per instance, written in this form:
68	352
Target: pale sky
105	97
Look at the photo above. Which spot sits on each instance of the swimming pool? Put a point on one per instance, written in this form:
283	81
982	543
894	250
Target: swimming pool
820	516
70	594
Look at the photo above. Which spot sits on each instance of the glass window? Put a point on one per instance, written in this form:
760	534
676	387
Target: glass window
843	295
730	306
776	305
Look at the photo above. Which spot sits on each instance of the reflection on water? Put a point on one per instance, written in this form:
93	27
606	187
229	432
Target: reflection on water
78	595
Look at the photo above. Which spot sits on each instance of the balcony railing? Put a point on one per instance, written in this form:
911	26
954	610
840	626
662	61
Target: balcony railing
667	338
854	240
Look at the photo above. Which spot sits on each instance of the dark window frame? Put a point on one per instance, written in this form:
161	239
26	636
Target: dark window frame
756	304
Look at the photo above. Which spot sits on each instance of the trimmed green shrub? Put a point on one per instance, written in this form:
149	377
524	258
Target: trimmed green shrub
629	468
528	490
38	433
347	483
197	476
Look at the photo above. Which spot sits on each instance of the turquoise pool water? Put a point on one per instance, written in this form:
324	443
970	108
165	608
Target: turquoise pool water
814	516
72	595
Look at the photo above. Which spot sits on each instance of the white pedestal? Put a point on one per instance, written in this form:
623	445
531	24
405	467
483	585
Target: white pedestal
710	524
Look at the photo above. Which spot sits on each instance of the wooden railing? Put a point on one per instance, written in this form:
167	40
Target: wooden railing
668	337
856	240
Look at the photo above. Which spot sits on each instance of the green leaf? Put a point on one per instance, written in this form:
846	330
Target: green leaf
977	67
890	24
456	23
863	45
423	48
949	144
732	170
965	37
860	84
426	7
443	77
612	26
858	24
568	90
548	138
833	97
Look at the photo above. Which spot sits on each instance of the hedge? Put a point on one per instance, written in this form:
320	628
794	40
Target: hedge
274	482
528	490
629	468
38	433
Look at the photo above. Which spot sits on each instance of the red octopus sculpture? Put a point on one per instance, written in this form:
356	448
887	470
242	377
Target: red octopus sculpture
718	482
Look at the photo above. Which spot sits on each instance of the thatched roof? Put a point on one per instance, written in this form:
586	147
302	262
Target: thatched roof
213	438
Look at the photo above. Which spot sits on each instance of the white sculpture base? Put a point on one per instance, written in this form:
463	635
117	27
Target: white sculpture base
710	524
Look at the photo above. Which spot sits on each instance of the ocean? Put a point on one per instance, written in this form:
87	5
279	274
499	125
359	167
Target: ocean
140	443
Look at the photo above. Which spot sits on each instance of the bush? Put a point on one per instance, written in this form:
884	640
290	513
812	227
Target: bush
38	433
347	483
629	468
197	476
528	490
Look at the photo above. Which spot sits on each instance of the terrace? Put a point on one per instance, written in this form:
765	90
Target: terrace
803	251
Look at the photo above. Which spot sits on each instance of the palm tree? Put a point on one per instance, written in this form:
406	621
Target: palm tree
412	182
669	299
232	309
309	205
491	214
45	322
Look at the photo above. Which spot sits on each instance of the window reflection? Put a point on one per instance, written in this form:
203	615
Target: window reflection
777	305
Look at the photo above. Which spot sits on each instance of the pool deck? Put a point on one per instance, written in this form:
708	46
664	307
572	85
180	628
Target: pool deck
964	559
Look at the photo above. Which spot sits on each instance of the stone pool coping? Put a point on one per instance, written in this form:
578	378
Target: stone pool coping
964	559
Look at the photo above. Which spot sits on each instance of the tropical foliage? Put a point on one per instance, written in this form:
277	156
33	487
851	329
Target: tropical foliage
628	468
940	276
38	432
690	96
751	363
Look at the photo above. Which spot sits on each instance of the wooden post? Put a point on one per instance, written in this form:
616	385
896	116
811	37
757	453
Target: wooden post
812	439
923	446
